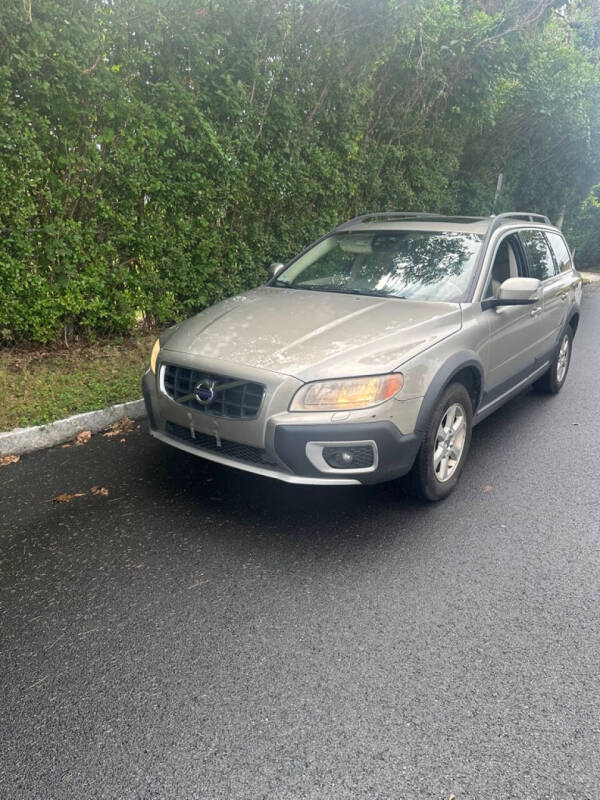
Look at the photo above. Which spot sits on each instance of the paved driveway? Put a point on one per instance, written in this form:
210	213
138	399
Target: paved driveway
200	633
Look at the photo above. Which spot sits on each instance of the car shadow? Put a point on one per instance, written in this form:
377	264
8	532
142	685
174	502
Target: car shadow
240	503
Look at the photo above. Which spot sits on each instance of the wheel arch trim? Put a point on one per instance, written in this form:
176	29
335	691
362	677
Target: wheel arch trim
574	316
453	366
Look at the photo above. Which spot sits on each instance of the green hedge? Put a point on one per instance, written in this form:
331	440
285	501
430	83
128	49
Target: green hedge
157	154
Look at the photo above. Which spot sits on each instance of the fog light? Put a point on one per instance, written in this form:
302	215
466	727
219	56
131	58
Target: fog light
344	457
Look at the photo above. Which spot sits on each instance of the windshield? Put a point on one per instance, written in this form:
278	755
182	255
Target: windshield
420	265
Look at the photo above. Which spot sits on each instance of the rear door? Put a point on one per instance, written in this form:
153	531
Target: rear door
567	279
541	264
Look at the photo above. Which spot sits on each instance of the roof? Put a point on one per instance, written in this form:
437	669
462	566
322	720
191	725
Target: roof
414	221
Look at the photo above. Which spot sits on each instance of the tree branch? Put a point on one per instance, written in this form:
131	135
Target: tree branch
89	70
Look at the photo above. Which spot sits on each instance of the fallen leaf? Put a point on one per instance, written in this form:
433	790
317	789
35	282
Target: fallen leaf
487	488
198	583
5	460
101	490
124	425
66	498
82	437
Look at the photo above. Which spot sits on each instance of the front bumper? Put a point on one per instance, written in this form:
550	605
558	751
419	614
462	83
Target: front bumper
288	450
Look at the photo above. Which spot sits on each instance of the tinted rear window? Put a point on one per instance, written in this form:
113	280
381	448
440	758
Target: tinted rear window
539	257
561	251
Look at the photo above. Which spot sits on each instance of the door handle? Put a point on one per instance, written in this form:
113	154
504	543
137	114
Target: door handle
564	295
535	311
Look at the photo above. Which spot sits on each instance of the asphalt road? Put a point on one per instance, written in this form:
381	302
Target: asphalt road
202	633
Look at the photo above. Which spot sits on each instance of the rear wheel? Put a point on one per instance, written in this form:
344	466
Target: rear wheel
445	446
553	380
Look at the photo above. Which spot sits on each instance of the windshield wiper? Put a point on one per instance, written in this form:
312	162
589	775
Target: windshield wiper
371	293
316	287
364	292
311	287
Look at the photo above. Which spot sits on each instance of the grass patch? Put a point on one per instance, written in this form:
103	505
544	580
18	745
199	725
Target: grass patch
43	385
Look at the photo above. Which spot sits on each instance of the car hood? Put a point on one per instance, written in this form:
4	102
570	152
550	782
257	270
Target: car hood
312	334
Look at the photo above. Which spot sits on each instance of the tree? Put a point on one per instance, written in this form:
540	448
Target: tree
157	153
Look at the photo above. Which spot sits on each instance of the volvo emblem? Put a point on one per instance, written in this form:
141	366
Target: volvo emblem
204	392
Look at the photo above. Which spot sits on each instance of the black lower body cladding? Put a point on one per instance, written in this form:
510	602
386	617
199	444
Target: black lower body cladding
396	452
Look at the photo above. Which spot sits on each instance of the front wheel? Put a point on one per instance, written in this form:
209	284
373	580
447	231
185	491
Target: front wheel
553	380
445	446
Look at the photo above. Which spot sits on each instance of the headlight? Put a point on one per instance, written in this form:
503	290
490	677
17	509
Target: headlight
154	356
346	393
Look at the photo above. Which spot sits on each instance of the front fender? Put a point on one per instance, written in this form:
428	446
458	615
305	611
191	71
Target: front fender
456	363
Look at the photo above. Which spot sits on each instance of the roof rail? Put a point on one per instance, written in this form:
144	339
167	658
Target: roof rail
530	216
391	215
397	215
424	216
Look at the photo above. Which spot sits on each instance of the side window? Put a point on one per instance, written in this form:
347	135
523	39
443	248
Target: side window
561	252
506	265
539	257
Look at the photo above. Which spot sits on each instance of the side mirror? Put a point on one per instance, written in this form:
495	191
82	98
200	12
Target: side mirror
275	268
515	292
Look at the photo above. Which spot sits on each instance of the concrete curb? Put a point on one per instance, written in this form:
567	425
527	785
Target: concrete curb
26	440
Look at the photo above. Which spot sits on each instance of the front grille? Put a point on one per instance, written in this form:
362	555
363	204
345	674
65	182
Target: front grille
233	398
241	452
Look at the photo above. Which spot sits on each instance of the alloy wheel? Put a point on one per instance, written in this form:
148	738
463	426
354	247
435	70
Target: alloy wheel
449	442
563	359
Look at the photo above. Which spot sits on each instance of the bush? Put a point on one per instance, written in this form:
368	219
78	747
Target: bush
157	155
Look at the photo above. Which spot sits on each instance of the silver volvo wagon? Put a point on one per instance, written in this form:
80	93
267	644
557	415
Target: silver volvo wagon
371	355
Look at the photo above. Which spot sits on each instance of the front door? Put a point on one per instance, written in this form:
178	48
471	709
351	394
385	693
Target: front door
541	264
515	331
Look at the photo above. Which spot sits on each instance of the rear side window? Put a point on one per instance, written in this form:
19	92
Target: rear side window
561	252
539	257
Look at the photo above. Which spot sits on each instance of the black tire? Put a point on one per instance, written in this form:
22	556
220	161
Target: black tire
422	481
551	381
